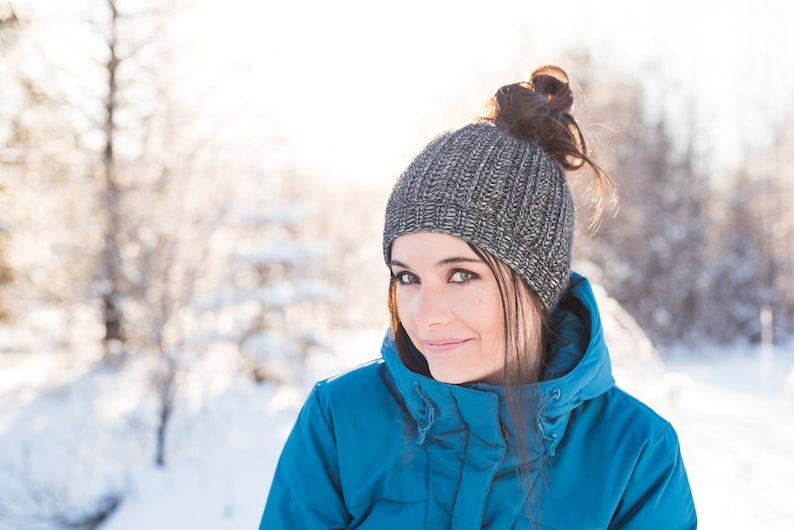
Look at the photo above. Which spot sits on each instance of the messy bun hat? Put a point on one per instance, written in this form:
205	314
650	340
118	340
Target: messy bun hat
494	185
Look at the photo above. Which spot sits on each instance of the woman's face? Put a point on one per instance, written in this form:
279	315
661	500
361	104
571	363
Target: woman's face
449	304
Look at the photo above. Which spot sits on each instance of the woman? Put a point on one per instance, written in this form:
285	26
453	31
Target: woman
493	405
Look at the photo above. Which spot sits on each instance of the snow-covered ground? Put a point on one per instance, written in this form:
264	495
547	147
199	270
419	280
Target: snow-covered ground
734	411
75	434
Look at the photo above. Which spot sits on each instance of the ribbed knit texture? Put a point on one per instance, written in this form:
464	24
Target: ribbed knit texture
499	192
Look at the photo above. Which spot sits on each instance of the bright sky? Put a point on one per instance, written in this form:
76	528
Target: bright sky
359	86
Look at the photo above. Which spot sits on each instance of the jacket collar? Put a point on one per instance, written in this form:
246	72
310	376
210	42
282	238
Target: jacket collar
579	370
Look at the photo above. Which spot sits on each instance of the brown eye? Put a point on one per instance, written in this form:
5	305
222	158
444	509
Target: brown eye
406	278
460	276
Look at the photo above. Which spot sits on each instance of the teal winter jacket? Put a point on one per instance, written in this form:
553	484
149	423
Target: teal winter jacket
381	447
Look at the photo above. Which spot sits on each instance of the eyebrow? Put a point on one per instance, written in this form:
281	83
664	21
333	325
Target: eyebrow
442	263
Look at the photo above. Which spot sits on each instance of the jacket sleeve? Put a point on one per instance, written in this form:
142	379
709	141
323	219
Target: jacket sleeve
657	495
306	490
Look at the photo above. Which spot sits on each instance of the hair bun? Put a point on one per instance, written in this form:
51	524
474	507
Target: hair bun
539	110
552	82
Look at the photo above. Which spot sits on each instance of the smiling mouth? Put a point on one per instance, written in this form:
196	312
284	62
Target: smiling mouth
443	345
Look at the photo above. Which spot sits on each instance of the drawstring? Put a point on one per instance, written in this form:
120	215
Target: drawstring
423	424
555	395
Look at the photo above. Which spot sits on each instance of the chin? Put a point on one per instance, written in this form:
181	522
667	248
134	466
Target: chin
447	376
454	377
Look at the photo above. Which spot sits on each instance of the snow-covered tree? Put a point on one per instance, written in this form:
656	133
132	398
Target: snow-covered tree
736	271
8	22
651	249
46	202
272	300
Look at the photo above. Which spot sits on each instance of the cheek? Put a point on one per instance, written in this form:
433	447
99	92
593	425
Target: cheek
492	318
483	311
494	327
401	303
405	304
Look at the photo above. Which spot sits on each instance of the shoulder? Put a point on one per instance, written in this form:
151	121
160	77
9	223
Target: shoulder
635	426
620	423
367	388
342	384
625	401
634	414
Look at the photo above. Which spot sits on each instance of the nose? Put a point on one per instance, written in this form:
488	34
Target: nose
431	308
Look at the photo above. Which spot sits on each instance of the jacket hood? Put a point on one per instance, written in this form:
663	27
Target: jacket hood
579	369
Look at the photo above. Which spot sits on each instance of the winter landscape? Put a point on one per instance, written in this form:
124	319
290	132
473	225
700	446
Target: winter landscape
191	202
77	436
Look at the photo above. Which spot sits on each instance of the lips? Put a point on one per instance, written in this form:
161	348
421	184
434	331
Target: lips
444	345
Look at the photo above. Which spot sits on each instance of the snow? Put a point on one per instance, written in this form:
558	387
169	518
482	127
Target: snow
74	433
735	417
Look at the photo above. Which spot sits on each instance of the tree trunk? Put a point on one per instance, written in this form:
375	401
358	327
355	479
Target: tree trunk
111	256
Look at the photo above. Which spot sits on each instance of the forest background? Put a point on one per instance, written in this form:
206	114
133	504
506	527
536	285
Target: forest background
186	181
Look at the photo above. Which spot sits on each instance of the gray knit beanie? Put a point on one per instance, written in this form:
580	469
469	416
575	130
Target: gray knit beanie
504	194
